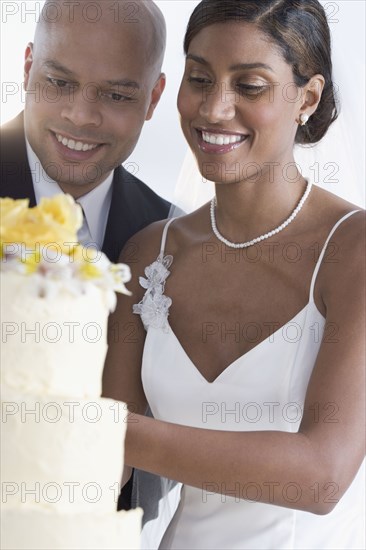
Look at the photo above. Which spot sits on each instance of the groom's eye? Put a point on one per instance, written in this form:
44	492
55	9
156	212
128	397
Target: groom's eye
57	82
116	97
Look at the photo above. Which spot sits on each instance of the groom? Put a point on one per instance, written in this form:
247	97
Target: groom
92	78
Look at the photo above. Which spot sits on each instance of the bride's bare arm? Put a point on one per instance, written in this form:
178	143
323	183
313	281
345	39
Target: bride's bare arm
126	334
310	469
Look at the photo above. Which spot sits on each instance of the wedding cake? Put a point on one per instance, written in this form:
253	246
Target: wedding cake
62	445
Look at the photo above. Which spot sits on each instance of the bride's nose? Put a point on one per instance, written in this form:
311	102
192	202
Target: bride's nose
218	104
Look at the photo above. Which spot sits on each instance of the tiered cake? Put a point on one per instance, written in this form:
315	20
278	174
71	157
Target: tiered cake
62	445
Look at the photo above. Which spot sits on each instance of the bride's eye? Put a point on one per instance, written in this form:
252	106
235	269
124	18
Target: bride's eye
250	89
199	80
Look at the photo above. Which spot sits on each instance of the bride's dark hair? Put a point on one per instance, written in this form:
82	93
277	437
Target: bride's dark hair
300	29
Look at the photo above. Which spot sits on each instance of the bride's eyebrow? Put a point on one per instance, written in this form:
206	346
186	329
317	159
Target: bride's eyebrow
197	58
236	67
247	66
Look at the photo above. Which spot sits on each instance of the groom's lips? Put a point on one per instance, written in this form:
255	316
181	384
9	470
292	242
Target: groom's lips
219	141
73	148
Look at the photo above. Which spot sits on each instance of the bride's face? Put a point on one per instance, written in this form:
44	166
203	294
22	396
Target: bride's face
238	103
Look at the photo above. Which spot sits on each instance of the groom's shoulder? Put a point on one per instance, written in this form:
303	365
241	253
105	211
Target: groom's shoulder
12	141
12	129
15	178
137	193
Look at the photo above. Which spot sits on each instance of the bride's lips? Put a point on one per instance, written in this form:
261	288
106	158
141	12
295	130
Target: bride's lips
219	141
73	148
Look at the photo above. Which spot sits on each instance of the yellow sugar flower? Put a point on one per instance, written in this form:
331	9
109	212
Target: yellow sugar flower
43	240
89	270
11	211
64	211
55	220
76	253
32	262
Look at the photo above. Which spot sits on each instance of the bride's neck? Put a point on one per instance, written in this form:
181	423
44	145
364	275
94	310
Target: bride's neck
248	209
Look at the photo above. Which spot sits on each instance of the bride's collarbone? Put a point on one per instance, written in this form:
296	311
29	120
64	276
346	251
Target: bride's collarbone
239	274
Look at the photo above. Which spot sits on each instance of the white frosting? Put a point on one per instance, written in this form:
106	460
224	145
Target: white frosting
81	442
60	469
52	345
38	530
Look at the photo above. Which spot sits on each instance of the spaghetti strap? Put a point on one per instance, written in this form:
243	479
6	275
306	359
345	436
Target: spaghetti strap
154	306
164	236
321	256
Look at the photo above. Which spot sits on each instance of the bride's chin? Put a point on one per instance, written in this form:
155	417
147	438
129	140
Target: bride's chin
214	172
222	172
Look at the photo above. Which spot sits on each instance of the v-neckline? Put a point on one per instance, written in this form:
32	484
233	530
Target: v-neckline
241	357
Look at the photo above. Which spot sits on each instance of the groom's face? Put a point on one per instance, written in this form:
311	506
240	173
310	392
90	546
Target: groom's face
90	88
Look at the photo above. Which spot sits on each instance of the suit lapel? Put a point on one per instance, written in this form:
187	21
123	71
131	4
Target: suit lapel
121	224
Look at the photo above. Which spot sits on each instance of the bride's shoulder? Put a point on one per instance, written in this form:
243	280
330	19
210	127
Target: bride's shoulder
331	200
181	231
329	209
145	246
345	224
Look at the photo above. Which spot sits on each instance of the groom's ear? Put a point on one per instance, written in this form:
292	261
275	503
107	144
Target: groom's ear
28	62
156	94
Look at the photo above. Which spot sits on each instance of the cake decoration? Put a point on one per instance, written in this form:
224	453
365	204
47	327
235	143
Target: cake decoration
43	241
62	444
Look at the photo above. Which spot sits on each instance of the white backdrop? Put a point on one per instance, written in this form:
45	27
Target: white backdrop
159	155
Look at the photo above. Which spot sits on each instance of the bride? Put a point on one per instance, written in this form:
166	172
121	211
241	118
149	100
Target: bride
244	331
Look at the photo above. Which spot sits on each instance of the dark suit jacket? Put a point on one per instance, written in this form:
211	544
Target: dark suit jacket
134	205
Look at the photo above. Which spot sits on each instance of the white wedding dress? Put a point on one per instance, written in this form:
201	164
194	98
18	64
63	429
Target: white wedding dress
261	390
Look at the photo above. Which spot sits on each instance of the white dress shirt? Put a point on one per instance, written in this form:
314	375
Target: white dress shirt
95	204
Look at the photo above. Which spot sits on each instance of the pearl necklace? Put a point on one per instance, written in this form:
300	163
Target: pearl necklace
261	237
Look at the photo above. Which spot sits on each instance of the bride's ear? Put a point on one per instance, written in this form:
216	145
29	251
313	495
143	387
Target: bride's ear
312	94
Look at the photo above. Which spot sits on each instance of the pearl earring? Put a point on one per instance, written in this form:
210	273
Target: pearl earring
303	119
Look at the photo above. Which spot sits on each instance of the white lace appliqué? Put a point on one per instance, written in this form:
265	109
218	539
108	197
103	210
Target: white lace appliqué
154	306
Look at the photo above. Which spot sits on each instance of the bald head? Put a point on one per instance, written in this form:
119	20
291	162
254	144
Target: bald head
97	67
143	19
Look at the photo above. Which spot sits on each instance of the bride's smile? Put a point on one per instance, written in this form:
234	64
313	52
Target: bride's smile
238	102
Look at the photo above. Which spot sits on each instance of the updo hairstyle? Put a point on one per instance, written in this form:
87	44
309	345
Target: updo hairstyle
299	28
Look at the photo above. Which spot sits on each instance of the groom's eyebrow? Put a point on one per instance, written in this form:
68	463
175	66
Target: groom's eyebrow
54	65
236	67
123	82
